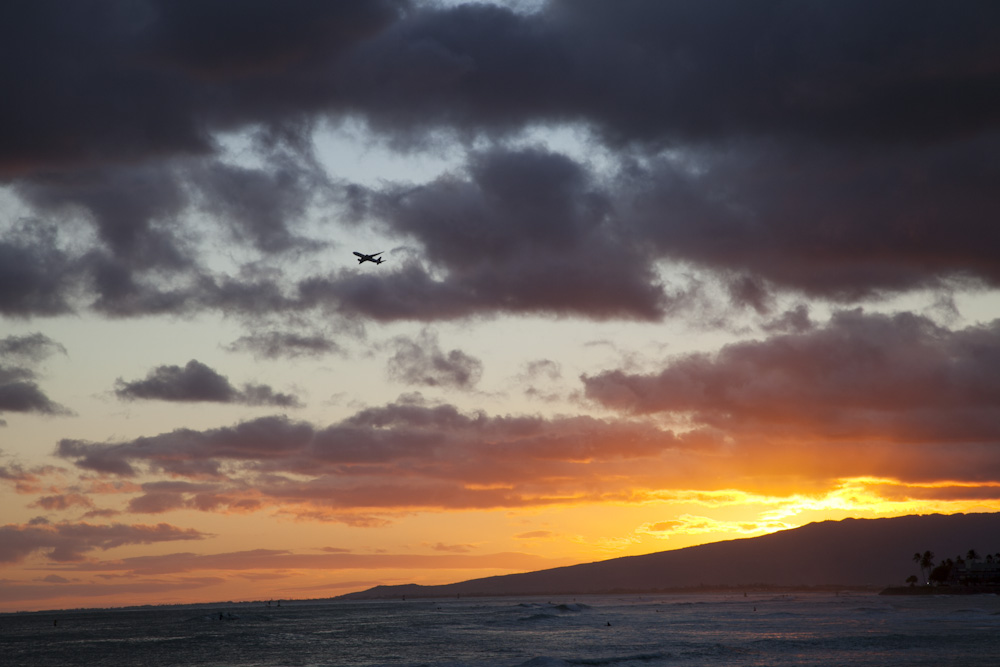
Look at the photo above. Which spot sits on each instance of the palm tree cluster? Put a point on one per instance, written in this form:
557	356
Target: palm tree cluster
943	571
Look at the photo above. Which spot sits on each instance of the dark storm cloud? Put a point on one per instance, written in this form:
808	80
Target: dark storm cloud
120	290
36	277
157	77
831	223
519	231
253	202
837	149
421	361
148	259
511	202
409	292
196	382
897	378
69	542
19	390
128	205
123	81
259	203
676	72
110	95
530	229
843	150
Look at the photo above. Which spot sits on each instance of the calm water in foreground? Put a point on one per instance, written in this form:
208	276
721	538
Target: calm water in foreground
795	629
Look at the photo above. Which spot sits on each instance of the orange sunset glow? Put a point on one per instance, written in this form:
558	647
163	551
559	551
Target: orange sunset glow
619	309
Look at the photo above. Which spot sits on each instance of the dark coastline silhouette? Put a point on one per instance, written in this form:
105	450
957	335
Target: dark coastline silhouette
862	553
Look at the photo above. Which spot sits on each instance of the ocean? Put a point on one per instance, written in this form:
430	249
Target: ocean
618	631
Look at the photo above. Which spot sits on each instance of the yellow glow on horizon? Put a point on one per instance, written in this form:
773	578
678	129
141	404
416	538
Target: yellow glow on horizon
400	545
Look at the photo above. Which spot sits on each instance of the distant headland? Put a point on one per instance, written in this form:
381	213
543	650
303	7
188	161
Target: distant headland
868	554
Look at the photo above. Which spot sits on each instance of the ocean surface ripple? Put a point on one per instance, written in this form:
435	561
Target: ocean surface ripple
613	631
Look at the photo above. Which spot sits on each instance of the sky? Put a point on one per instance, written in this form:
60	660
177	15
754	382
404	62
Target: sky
656	274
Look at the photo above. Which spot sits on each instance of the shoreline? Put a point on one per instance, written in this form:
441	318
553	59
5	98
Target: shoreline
757	589
414	592
941	590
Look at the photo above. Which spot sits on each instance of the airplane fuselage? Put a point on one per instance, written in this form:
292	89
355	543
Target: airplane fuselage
373	258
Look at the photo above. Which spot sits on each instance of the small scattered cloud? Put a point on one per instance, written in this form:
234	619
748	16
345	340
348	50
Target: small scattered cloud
453	548
535	535
420	361
285	345
31	347
19	389
542	368
166	496
26	480
63	502
540	372
196	382
335	550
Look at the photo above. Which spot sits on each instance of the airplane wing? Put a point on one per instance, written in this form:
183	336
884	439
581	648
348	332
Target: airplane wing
369	258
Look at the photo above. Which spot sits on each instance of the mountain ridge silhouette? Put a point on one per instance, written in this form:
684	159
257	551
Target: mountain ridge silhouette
848	552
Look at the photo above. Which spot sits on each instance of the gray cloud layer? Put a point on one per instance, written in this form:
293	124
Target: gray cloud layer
839	150
862	377
66	542
893	397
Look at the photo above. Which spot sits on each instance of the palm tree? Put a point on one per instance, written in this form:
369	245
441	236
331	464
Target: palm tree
926	564
972	555
942	572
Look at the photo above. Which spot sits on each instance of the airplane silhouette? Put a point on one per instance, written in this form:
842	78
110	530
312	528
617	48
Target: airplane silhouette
374	257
